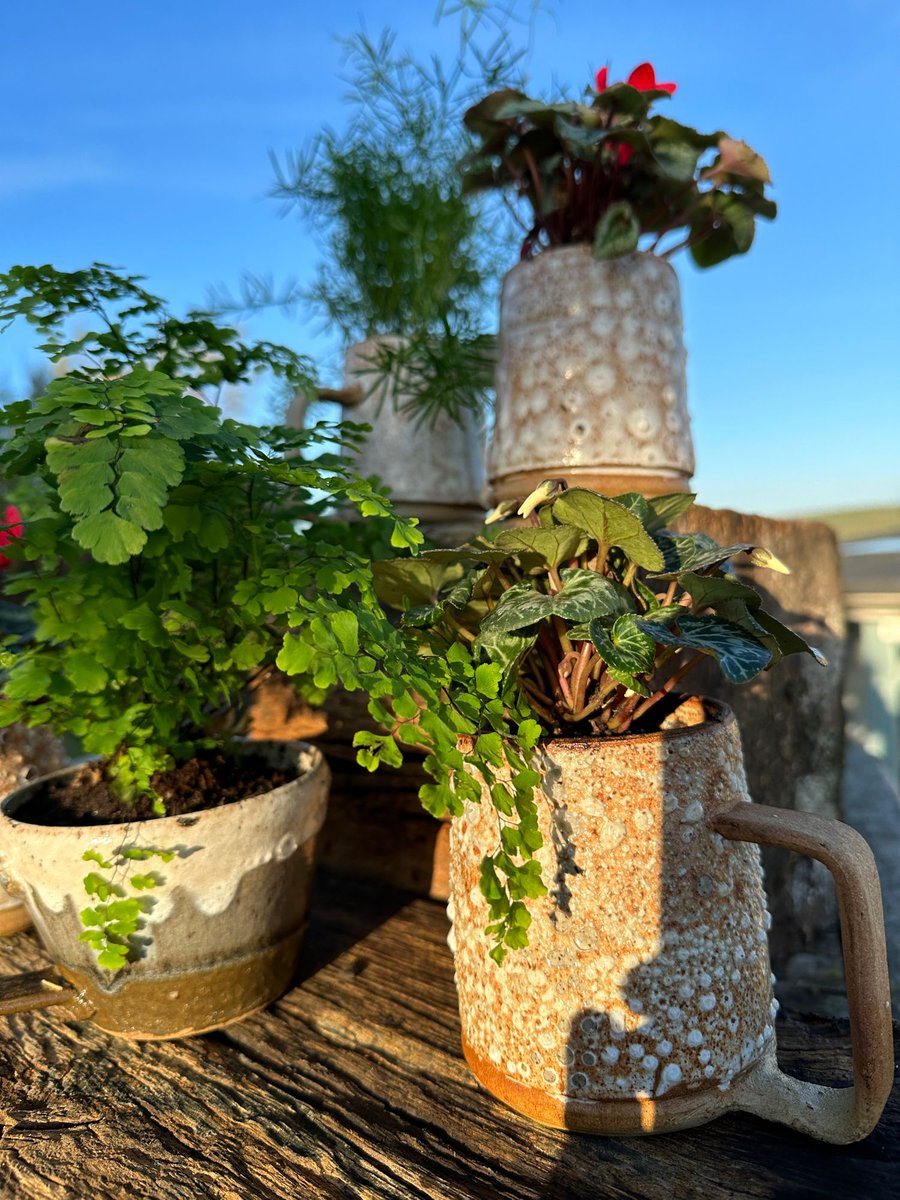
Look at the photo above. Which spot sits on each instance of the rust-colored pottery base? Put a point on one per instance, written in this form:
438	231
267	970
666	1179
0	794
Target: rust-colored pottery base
192	1002
633	1117
614	482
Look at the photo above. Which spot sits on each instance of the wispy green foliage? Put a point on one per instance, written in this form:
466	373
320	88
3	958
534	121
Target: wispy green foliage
404	253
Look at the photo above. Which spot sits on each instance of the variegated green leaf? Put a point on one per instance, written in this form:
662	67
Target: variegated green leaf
740	655
609	523
518	608
708	591
626	648
786	641
542	545
697	552
587	595
658	512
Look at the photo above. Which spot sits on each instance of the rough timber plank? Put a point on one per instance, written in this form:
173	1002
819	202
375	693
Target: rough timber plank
353	1087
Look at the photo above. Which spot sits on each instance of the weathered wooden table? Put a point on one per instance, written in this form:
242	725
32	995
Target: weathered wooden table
354	1086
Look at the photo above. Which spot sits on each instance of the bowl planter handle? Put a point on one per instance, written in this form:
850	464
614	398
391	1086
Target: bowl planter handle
832	1114
32	990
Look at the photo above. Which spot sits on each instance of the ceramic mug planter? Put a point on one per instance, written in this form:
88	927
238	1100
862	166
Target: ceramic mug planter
644	1003
223	935
591	376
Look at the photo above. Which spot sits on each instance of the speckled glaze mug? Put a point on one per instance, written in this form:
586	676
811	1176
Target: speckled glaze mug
644	1002
590	378
223	932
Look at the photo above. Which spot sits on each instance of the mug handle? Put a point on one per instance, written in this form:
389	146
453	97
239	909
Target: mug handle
831	1114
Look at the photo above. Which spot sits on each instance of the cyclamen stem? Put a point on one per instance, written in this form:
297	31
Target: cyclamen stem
667	687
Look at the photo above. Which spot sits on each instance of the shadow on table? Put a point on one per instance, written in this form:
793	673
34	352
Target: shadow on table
344	912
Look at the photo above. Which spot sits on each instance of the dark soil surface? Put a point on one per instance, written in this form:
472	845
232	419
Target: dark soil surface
209	780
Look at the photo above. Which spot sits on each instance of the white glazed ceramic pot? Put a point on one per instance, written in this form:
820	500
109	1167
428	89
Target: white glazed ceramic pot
223	934
643	1002
591	376
433	470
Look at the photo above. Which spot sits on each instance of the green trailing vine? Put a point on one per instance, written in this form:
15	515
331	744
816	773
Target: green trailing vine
117	916
579	623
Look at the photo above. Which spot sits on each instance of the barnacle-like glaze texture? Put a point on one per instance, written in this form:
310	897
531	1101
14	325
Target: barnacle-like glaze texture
647	973
591	371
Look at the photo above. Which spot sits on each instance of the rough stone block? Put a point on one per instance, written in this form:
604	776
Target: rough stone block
791	718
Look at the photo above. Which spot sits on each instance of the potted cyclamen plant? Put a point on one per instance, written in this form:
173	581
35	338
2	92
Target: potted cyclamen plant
591	363
609	928
167	556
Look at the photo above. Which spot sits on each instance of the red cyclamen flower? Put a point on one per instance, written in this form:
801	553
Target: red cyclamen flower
13	519
643	78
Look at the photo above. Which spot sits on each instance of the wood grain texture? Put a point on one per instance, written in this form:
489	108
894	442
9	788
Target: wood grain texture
353	1086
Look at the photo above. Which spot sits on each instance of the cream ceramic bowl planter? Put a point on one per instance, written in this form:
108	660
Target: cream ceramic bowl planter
591	376
25	754
644	1003
223	935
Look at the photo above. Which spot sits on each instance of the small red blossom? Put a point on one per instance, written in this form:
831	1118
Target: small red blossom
643	78
11	527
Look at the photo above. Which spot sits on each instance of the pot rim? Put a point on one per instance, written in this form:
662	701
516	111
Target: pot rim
580	249
718	713
310	776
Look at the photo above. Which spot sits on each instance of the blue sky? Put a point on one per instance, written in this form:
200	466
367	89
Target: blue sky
139	135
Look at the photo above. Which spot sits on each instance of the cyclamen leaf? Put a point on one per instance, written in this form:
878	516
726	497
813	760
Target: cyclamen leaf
618	231
413	580
610	524
698	552
626	648
707	591
505	649
587	595
545	545
667	508
785	640
740	655
518	608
